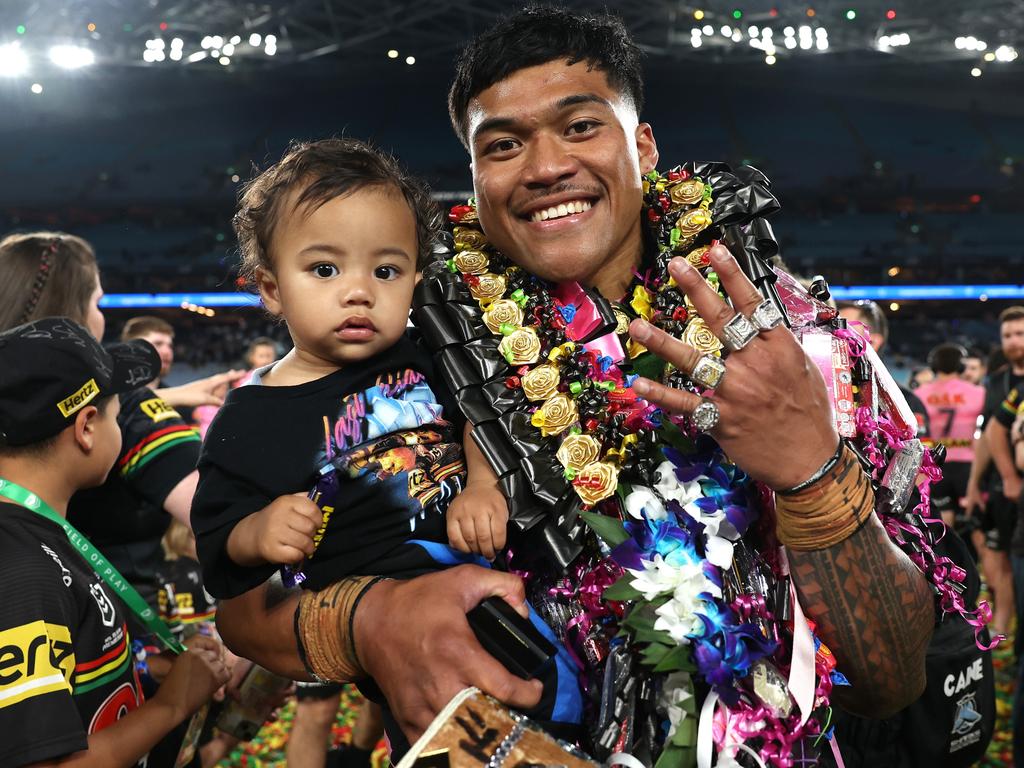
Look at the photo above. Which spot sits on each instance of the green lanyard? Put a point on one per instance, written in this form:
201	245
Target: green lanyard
97	561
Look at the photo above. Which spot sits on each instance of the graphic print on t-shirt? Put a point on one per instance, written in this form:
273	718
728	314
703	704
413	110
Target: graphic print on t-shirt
386	439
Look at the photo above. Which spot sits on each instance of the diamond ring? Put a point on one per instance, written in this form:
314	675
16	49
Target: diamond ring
708	372
766	316
705	416
737	333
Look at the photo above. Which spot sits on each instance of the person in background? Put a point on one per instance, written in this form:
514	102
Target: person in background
69	693
954	407
868	319
157	332
50	273
975	366
261	353
993	494
920	376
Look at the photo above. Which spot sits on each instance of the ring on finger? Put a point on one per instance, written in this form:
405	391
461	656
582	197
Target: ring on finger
767	316
708	372
705	416
737	333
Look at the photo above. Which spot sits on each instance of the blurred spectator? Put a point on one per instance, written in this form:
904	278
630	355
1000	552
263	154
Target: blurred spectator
975	366
920	376
868	319
995	493
157	332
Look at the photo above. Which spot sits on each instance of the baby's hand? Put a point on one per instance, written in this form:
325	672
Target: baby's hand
477	519
282	532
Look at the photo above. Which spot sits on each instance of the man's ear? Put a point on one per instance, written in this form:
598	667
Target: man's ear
85	428
419	276
269	291
647	148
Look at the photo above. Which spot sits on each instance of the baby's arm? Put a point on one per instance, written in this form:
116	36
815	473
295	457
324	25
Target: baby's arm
282	532
478	516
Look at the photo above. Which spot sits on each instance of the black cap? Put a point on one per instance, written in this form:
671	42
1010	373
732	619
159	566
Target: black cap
52	368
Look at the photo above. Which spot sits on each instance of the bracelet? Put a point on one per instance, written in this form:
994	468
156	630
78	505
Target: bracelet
822	471
324	629
352	616
829	511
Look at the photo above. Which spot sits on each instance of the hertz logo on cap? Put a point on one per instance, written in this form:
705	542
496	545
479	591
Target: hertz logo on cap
80	399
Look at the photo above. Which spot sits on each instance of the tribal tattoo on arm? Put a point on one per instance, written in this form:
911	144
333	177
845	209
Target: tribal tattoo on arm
875	610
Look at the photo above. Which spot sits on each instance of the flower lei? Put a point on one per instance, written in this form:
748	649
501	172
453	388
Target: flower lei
548	336
691	609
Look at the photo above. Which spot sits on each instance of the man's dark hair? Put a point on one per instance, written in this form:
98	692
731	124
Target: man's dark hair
947	358
538	35
322	171
977	352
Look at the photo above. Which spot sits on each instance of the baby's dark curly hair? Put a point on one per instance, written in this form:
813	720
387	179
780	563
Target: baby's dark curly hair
324	170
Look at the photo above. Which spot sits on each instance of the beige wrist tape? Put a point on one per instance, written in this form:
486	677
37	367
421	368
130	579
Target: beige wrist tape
325	629
829	511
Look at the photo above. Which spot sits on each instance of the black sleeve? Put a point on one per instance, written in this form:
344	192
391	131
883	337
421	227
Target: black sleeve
1006	412
220	503
38	717
158	449
924	427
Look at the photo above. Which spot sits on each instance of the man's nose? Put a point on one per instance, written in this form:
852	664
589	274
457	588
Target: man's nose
548	162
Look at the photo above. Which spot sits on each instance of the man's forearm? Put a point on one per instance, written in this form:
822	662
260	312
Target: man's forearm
875	610
997	437
260	625
982	458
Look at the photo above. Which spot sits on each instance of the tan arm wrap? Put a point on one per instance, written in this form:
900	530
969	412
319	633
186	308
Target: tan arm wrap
829	511
325	629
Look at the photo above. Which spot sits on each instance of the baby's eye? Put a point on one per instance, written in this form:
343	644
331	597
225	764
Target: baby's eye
325	270
386	272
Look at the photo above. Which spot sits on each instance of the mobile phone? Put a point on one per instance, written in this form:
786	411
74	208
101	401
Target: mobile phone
510	638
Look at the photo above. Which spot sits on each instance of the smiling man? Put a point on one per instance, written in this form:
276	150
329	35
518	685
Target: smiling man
548	103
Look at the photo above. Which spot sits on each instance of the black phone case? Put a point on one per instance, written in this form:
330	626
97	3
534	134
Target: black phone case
510	638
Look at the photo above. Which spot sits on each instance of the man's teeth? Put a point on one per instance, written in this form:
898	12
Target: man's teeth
562	209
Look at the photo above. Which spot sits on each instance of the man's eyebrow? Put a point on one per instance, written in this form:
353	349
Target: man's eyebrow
502	123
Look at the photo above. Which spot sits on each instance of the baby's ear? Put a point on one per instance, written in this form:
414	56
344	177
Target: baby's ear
269	291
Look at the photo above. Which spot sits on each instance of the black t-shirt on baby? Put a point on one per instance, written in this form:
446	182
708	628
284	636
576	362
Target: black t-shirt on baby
375	438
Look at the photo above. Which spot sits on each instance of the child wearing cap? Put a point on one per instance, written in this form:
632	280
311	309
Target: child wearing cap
68	687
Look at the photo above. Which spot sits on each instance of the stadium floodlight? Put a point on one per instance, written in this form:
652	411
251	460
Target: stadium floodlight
255	39
72	56
1005	53
13	60
197	56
